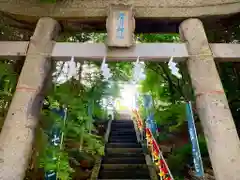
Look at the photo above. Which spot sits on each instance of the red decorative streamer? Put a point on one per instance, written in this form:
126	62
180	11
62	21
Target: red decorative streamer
156	153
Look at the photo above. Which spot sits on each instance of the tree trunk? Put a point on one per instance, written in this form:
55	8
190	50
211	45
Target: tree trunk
212	105
18	130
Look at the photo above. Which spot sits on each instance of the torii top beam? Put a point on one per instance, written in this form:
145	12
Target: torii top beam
91	14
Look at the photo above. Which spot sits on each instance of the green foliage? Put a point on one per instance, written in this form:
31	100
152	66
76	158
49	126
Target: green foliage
182	156
8	80
78	126
60	165
172	115
158	38
122	71
161	137
179	158
203	146
168	92
78	96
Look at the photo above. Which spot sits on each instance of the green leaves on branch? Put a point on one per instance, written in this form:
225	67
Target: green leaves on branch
158	38
60	165
169	93
8	81
171	116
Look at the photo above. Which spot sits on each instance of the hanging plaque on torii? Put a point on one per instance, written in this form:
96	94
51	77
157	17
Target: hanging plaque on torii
120	25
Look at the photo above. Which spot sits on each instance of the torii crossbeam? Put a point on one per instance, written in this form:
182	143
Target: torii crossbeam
159	52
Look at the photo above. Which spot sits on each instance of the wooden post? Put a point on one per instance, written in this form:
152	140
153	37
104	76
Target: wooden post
18	130
212	105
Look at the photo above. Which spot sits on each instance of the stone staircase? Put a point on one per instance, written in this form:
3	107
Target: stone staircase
124	158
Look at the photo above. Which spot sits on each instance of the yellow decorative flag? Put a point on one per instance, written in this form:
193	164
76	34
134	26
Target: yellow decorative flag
158	163
161	174
156	158
156	155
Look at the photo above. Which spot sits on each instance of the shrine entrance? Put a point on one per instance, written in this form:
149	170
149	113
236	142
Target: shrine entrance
41	50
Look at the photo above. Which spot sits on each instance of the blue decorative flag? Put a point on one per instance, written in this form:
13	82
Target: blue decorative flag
55	140
51	175
150	123
197	160
147	100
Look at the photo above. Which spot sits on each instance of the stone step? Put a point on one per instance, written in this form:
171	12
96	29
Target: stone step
127	154
123	137
124	150
124	160
123	145
127	126
123	126
122	129
132	141
126	136
124	174
122	141
124	166
124	157
122	123
133	135
122	133
119	133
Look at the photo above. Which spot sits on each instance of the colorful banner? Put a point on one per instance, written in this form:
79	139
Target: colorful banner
138	119
55	140
147	100
194	140
152	144
157	157
150	123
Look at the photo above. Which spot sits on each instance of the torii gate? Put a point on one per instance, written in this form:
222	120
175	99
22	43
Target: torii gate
41	50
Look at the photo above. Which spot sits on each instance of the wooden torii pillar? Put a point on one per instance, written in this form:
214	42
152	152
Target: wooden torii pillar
212	105
18	130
